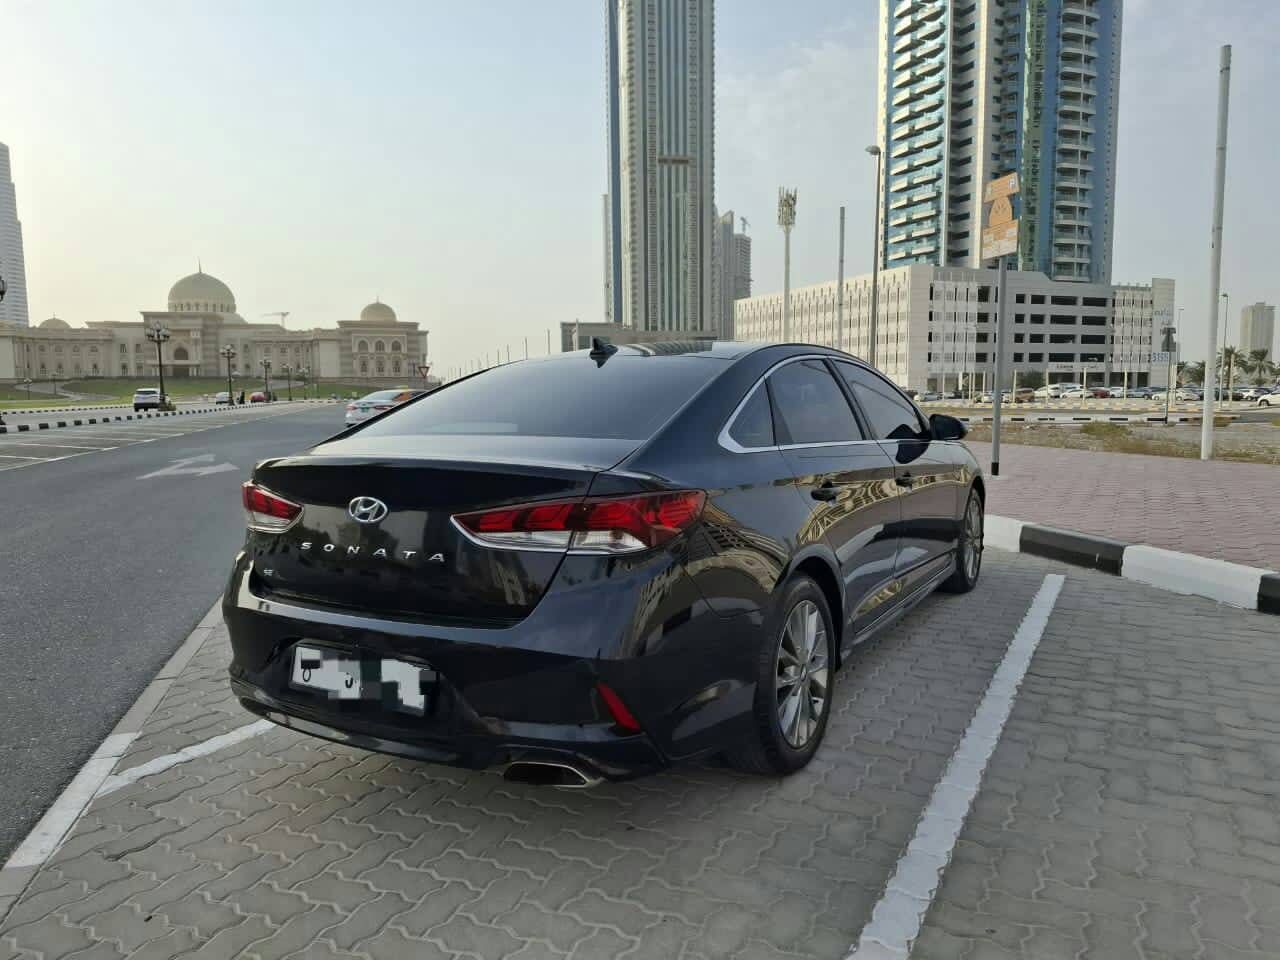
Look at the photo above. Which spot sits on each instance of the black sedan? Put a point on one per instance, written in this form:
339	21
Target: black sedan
597	564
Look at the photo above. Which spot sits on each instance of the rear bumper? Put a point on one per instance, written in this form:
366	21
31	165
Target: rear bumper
520	693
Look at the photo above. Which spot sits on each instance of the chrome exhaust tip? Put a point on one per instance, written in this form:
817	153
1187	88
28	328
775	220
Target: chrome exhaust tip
549	773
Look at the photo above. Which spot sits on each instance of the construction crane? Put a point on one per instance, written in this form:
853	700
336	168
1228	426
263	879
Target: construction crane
745	224
278	313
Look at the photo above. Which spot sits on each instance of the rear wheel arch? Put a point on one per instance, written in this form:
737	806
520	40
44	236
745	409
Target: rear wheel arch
982	491
820	571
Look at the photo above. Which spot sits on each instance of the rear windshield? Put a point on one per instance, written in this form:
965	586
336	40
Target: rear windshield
380	395
627	398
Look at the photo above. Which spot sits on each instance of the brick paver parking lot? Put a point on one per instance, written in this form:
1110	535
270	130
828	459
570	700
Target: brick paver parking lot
1192	506
1129	810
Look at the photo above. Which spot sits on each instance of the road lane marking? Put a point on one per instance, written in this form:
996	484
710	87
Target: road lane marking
198	466
898	916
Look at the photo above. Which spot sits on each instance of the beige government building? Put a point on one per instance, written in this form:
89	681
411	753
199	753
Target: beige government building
201	319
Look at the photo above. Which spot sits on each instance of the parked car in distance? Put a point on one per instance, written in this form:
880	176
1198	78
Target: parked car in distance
599	564
1254	393
377	402
929	396
221	397
1077	393
1270	399
258	396
1024	395
148	398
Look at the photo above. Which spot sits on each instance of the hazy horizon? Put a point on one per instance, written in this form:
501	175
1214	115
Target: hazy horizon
450	159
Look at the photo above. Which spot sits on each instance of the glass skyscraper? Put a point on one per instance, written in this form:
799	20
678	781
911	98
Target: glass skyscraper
972	89
660	69
13	308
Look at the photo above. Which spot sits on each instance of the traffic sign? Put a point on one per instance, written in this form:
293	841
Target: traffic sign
1000	235
1161	356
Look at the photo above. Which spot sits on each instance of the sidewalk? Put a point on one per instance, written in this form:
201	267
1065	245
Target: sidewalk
1226	511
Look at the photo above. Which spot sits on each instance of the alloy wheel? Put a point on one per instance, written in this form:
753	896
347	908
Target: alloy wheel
802	674
971	539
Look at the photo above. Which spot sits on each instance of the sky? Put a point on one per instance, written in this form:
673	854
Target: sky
450	157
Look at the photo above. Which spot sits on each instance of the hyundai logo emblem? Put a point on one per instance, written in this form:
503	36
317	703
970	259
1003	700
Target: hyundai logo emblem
367	510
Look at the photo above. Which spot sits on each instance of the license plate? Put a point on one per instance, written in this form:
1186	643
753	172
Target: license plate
394	683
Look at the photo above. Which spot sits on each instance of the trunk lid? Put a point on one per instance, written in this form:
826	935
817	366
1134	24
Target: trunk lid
414	562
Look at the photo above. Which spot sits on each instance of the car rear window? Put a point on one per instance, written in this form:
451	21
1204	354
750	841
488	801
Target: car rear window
626	398
381	396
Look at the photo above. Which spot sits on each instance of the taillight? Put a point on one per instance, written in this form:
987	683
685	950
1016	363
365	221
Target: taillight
593	525
623	717
268	512
382	406
351	406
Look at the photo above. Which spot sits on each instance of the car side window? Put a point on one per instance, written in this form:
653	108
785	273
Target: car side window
809	406
890	414
753	426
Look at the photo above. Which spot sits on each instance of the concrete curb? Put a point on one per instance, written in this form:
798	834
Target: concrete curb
54	424
1251	588
47	835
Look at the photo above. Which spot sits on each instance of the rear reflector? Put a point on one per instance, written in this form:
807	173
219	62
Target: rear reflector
623	717
268	512
603	525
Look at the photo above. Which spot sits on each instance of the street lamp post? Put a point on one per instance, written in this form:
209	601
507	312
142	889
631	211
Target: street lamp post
875	261
266	379
229	353
304	379
288	380
158	335
27	383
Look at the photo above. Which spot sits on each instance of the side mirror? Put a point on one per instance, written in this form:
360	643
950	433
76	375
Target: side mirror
944	427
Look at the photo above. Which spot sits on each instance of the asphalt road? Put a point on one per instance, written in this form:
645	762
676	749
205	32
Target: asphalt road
103	574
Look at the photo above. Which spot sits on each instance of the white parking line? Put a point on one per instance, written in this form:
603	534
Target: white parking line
68	446
898	915
160	764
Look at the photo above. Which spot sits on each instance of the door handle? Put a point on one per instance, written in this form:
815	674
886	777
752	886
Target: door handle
827	491
905	480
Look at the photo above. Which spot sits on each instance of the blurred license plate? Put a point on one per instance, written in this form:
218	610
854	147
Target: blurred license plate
394	683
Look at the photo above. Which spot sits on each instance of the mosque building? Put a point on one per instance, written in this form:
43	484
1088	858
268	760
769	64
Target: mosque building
201	319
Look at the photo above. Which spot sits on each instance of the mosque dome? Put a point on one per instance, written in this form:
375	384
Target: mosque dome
201	293
377	312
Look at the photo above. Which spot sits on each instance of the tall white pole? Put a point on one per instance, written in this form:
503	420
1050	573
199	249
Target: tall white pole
875	263
786	284
1215	253
998	390
840	288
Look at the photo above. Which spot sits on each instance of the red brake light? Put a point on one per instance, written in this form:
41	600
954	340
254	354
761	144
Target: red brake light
623	717
267	512
603	525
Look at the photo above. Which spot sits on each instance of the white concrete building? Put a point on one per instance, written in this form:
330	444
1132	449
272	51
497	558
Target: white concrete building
662	168
972	89
201	319
1258	328
937	326
13	308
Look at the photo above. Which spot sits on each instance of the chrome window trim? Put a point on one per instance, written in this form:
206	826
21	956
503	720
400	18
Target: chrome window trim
731	445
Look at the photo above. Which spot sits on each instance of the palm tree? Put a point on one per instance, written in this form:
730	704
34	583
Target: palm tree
1191	372
1228	359
1258	364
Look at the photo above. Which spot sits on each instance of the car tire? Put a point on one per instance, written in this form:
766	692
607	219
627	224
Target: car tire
786	737
969	548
